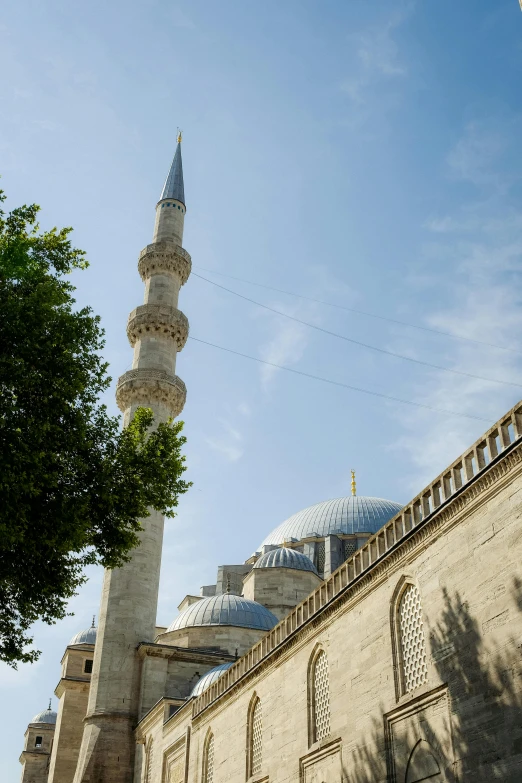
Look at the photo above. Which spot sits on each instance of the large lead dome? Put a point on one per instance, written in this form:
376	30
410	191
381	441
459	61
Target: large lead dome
344	516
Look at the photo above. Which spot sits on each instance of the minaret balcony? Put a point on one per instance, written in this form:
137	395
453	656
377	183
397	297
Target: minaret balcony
158	320
145	387
165	257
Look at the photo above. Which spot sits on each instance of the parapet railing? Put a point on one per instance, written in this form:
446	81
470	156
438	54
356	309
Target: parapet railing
506	432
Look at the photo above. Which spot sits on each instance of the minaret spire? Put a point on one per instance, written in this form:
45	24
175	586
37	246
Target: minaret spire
174	187
157	331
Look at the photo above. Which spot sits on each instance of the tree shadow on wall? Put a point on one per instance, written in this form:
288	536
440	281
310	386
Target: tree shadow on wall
485	704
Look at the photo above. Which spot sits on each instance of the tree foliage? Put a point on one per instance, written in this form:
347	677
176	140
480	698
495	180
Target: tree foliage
73	485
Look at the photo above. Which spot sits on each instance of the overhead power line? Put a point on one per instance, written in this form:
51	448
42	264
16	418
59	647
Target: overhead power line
363	312
339	383
358	342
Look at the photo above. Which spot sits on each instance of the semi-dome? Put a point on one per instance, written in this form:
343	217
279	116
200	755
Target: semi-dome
88	636
225	609
352	514
211	676
284	557
46	716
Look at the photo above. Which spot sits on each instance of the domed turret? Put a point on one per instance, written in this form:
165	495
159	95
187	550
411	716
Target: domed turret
88	636
211	676
46	716
285	558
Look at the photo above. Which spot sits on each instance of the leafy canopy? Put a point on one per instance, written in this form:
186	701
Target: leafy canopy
73	485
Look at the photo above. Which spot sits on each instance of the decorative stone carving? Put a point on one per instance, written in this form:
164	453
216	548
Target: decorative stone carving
158	320
145	387
165	257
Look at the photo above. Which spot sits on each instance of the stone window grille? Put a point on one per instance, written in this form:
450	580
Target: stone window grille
349	547
412	644
148	762
321	698
256	739
320	557
208	771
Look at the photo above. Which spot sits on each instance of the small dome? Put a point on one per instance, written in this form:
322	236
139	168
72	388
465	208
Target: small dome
208	678
46	716
284	557
225	609
349	515
84	637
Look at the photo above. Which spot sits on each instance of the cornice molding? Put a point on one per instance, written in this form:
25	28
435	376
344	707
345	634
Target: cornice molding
149	386
165	257
159	321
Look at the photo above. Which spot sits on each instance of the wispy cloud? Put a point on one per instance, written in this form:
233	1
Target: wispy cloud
377	60
485	153
229	442
481	243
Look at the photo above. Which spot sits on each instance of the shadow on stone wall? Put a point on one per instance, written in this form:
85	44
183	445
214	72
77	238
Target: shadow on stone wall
485	692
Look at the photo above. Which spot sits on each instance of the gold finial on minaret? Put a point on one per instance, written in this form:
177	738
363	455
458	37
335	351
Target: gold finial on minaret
179	136
354	488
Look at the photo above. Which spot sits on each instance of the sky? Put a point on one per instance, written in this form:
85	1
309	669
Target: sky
366	155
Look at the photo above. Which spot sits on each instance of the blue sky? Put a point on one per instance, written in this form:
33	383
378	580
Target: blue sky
366	154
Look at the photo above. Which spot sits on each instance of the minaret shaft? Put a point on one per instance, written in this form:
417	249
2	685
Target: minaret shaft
157	330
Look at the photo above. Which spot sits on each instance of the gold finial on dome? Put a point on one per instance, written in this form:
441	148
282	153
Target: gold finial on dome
179	136
354	488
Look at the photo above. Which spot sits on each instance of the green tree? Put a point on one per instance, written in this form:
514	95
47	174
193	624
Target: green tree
73	485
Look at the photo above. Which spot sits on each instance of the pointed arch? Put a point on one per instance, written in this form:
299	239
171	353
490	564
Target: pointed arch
318	695
408	640
423	764
207	772
149	758
254	736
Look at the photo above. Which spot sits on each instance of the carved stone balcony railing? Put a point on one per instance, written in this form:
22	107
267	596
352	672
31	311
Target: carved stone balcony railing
504	437
158	320
146	387
165	257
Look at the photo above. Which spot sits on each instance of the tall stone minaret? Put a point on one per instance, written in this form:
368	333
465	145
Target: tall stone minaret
157	330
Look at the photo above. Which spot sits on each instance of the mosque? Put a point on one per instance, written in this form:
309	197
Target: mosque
362	640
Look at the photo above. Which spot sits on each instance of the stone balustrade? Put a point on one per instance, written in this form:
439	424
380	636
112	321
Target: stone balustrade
454	480
165	257
158	320
147	386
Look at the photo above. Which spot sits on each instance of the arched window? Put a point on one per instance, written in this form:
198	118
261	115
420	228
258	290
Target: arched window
208	760
254	737
148	761
412	646
319	688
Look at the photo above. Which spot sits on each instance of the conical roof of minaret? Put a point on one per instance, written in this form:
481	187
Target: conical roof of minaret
173	187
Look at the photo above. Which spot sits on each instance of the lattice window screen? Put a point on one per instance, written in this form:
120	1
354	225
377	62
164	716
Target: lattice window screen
176	771
349	547
257	738
320	557
148	763
321	698
413	647
209	760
